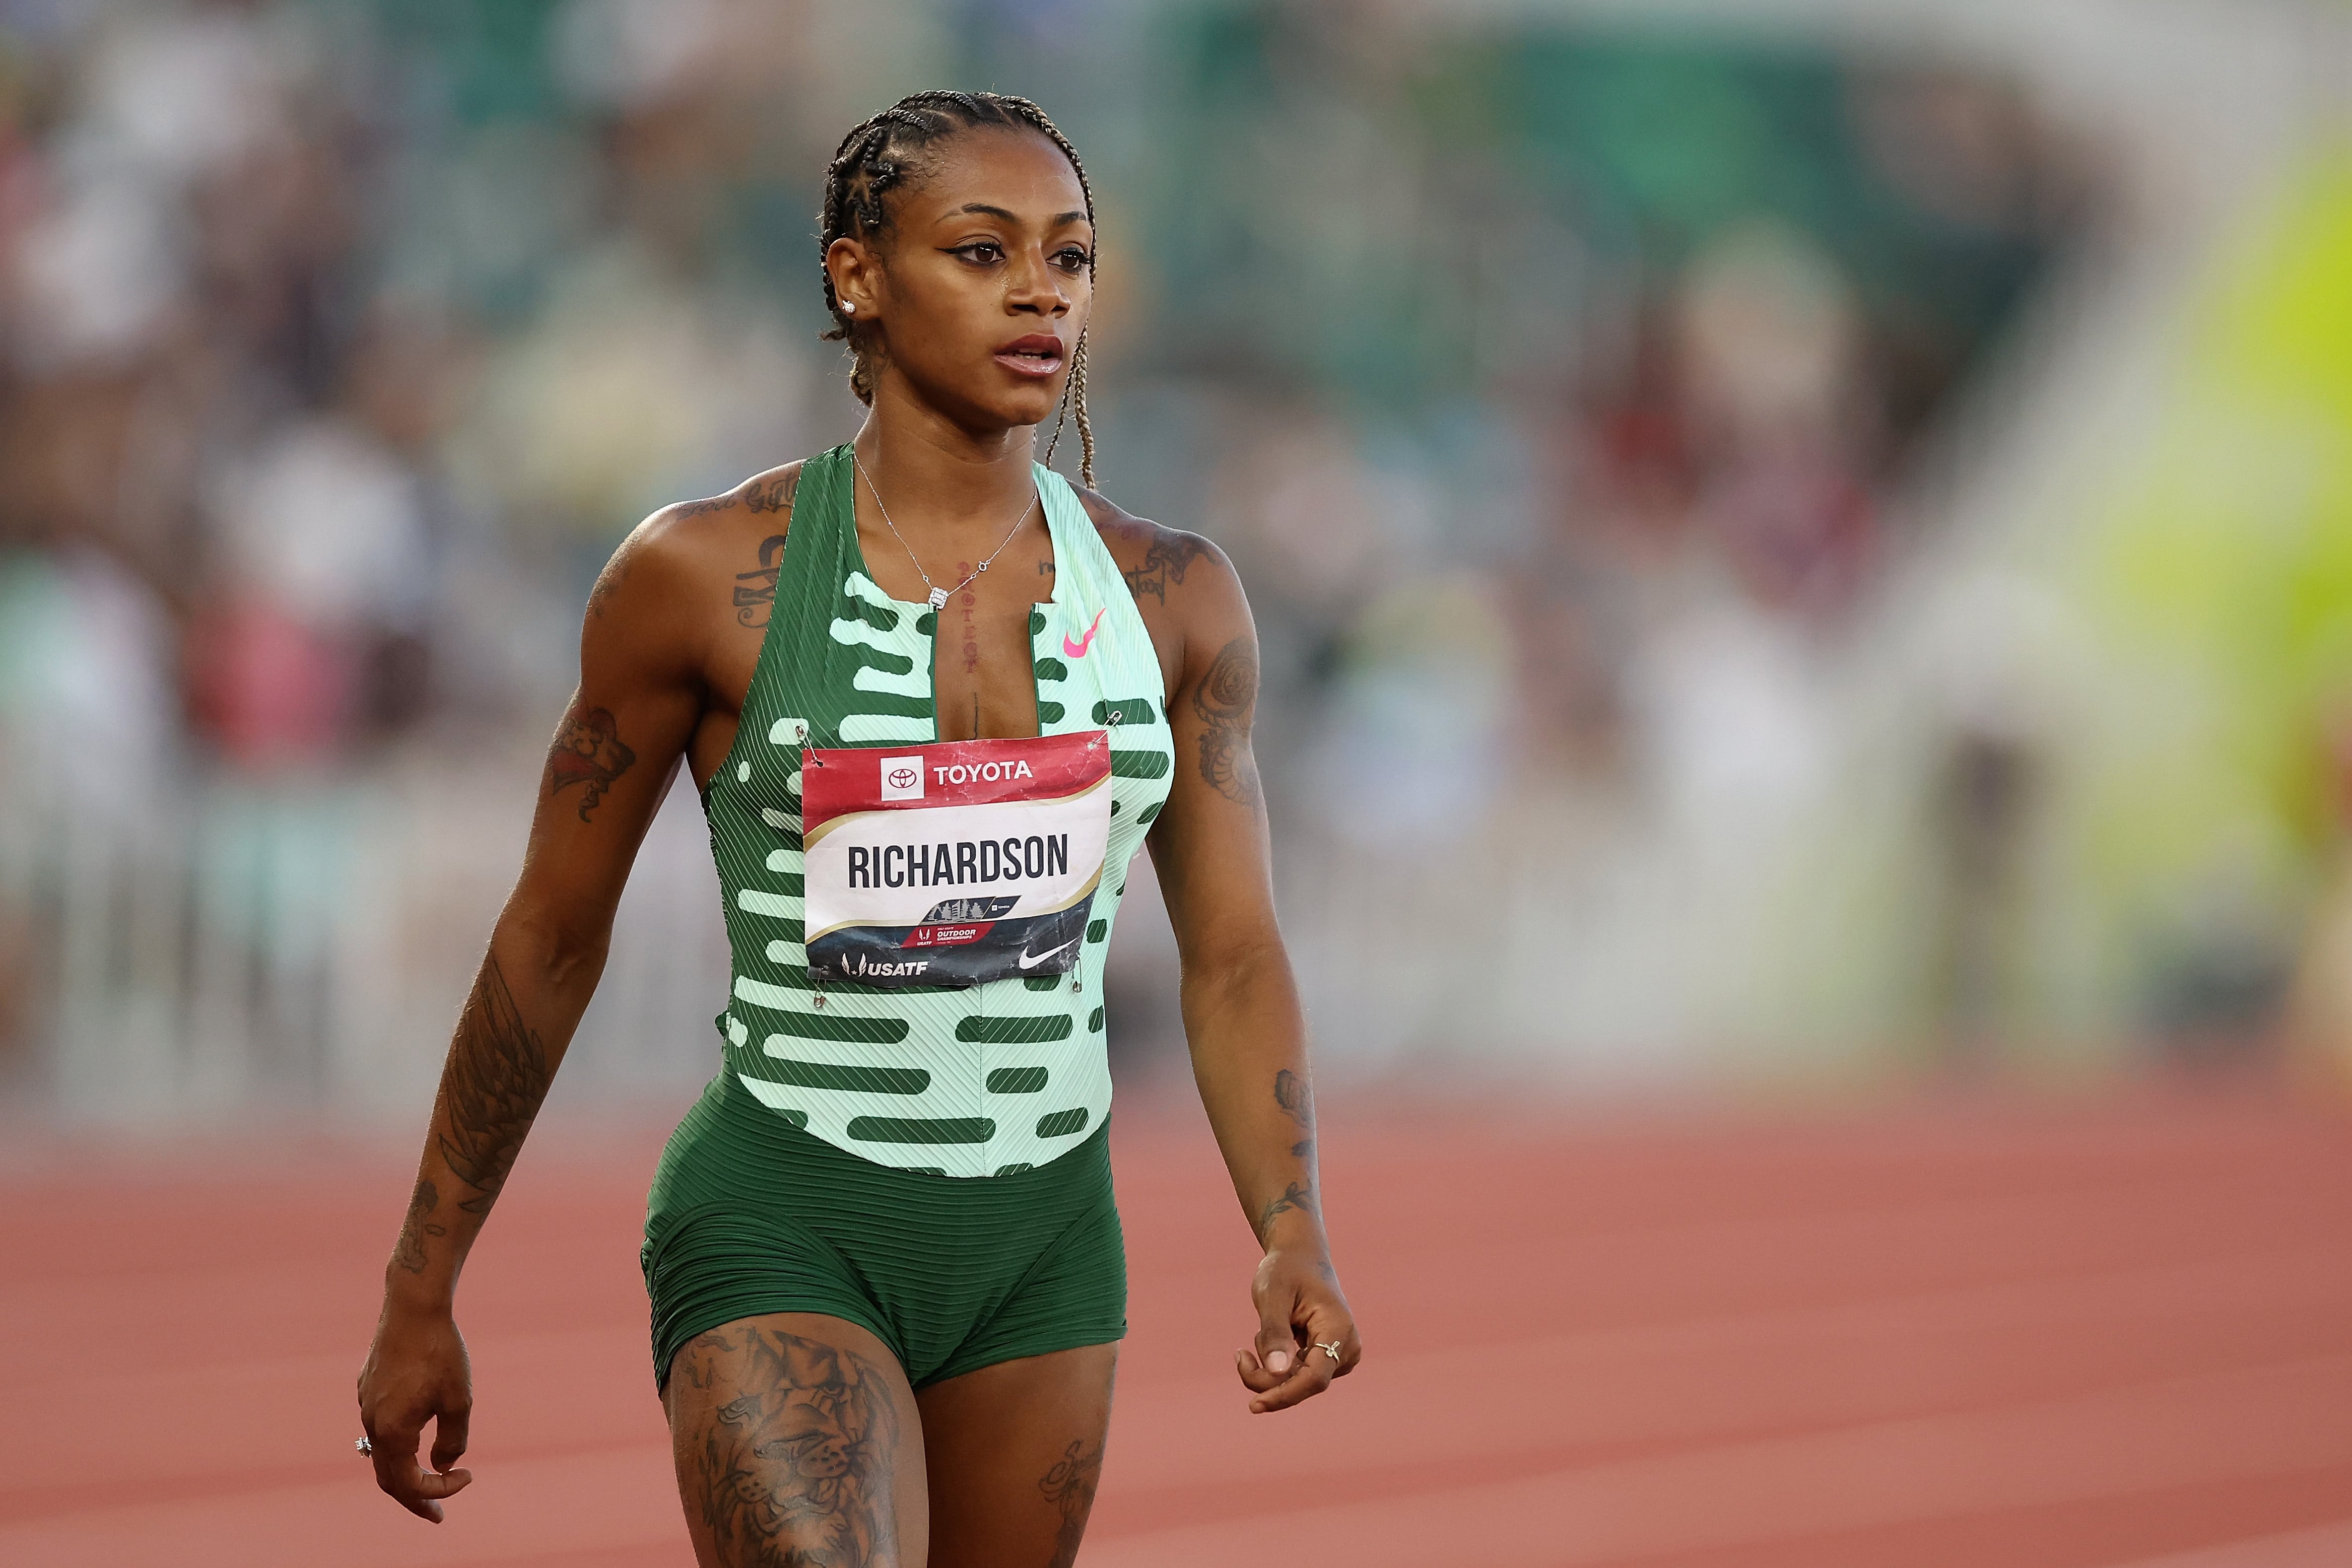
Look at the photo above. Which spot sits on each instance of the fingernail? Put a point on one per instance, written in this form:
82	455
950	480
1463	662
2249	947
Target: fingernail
1279	1361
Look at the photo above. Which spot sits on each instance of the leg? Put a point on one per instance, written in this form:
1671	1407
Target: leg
798	1445
1014	1452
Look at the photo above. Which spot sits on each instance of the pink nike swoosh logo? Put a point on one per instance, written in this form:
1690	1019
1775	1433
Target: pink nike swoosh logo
1078	650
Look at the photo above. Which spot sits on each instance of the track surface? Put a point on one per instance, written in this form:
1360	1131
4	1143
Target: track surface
2034	1336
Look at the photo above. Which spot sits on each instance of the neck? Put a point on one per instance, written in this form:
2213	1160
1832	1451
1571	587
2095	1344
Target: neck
937	475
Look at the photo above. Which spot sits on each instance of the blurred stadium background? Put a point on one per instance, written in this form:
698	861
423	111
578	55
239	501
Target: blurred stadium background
1832	518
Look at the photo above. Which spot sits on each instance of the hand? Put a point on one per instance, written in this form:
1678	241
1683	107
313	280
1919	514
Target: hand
416	1371
1299	1309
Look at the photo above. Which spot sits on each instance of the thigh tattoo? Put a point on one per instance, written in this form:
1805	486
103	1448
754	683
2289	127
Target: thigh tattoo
796	1469
1070	1486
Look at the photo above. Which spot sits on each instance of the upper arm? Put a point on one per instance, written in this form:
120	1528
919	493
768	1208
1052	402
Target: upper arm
618	745
1211	845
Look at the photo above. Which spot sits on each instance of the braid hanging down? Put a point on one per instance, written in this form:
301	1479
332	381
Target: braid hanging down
886	152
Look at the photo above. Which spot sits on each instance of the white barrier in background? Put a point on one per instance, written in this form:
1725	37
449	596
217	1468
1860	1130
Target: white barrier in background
213	945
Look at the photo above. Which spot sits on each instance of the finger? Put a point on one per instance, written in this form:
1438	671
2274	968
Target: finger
1327	1324
1254	1377
427	1490
1312	1376
406	1482
393	1452
1351	1344
449	1437
1327	1321
1277	1343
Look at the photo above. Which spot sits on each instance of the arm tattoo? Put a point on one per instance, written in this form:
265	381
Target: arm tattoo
1070	1487
497	1076
770	496
1297	1102
774	496
755	591
587	750
1163	563
796	1468
1297	1196
410	1252
1225	700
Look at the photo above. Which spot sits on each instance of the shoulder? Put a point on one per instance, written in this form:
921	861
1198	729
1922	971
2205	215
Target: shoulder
1163	565
761	505
688	543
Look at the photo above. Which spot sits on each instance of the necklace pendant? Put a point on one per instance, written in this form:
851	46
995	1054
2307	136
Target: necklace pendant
938	598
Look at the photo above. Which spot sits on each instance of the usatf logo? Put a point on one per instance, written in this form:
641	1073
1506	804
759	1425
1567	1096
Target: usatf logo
902	778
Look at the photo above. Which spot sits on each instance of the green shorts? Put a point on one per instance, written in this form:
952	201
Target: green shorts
751	1214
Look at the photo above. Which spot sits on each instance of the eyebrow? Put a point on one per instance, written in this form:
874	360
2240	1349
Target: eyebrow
1059	218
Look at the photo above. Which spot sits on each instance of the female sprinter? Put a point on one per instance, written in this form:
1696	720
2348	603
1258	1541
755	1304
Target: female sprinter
933	697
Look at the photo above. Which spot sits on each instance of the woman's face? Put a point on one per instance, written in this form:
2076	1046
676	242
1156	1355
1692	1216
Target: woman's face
984	281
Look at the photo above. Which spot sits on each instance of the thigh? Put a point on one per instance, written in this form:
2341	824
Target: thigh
1014	1452
797	1442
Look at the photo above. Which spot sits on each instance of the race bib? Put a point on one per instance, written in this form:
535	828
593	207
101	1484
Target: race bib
953	863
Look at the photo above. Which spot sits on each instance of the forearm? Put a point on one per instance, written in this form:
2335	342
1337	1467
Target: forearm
534	983
1248	1038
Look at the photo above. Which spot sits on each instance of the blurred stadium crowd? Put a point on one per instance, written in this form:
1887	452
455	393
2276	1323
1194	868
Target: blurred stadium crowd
1556	387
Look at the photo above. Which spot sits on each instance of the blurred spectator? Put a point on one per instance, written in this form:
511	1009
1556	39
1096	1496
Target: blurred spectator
321	565
86	671
1771	344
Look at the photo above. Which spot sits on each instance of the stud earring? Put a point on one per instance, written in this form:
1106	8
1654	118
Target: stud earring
847	308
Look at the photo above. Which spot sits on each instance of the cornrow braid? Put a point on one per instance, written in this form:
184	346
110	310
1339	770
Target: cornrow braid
886	153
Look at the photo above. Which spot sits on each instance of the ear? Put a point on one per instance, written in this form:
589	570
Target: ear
855	268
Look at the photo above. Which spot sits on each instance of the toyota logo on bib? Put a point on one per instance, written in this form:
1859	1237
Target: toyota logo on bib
902	778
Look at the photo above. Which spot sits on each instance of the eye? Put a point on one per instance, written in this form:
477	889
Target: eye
984	252
1073	258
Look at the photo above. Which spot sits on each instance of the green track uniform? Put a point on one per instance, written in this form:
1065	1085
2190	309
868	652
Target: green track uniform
932	1162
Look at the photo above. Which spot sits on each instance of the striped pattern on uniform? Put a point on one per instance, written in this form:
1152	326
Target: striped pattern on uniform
976	1082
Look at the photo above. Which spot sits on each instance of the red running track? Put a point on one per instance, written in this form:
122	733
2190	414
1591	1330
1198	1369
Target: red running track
2029	1335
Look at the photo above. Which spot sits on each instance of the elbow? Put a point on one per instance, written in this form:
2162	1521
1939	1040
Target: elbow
1237	963
565	949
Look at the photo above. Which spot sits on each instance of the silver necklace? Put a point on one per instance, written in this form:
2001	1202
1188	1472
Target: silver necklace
939	596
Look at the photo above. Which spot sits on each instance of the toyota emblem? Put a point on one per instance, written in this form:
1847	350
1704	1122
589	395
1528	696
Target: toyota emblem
902	778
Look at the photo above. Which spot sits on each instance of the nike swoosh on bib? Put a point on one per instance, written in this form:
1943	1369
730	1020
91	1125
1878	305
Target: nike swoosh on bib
1078	650
1030	961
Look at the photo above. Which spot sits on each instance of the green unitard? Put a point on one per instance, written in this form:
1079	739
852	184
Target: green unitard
928	1161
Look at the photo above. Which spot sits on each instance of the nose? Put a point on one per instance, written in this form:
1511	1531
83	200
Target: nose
1036	287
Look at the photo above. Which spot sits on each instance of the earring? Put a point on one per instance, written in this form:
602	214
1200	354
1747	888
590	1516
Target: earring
847	308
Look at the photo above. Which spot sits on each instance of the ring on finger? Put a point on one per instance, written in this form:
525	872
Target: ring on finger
1330	1348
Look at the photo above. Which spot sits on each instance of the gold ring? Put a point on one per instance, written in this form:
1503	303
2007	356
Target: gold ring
1330	1348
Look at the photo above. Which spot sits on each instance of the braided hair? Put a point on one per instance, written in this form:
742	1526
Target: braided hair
885	153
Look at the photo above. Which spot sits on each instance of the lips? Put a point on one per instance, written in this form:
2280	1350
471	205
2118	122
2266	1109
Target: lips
1038	354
